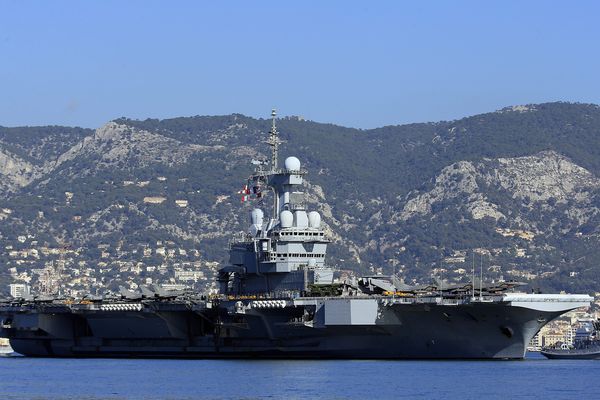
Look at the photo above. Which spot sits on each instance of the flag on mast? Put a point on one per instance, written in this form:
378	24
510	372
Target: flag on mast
245	193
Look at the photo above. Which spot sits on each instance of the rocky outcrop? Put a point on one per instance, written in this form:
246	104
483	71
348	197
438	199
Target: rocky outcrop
456	180
111	146
15	172
115	143
543	176
546	178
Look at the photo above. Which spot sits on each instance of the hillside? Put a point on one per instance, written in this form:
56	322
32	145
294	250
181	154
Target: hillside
517	190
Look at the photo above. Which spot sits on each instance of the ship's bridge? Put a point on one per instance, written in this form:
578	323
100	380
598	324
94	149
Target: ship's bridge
283	252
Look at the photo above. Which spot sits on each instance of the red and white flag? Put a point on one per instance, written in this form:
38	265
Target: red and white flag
245	190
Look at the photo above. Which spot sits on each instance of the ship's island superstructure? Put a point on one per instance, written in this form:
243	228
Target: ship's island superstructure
278	299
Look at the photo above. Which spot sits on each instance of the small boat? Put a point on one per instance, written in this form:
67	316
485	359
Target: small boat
586	345
587	353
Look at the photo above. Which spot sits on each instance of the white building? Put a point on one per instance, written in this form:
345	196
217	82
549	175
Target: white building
189	275
19	290
173	286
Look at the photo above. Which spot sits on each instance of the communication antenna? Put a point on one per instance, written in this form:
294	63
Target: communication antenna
394	280
481	278
473	276
273	141
441	283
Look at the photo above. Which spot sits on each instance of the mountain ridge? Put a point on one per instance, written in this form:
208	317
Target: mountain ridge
474	181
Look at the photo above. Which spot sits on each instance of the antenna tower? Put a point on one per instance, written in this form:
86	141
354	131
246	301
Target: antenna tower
473	275
481	278
273	141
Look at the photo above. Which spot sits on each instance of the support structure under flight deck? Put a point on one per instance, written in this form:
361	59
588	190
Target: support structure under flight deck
278	299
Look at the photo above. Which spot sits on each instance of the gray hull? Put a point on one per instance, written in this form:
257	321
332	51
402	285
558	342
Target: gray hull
401	331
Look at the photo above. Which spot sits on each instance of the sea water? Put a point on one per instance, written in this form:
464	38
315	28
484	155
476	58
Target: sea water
115	379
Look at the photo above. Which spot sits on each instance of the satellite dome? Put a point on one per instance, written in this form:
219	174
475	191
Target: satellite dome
286	219
292	164
257	216
301	219
314	219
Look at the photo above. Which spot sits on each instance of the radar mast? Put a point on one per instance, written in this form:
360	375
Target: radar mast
274	141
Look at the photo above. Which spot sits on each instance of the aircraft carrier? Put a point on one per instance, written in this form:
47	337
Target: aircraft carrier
278	299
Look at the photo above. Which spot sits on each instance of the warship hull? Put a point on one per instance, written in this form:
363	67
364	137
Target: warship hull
278	299
334	328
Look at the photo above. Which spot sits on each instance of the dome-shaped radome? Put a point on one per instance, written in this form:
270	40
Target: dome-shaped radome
292	164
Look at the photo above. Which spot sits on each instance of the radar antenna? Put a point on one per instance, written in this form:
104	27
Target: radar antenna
274	141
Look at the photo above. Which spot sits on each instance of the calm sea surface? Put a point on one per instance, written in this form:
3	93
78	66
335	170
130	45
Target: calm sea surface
534	378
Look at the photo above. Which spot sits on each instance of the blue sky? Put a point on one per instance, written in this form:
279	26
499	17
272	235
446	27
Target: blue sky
361	64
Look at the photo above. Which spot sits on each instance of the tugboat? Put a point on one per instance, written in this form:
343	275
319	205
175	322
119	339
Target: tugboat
279	299
586	345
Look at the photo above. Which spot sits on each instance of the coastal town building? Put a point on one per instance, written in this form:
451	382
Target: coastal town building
19	290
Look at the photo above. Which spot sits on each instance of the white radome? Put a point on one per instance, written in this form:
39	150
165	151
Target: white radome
257	216
286	218
314	219
301	219
292	164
